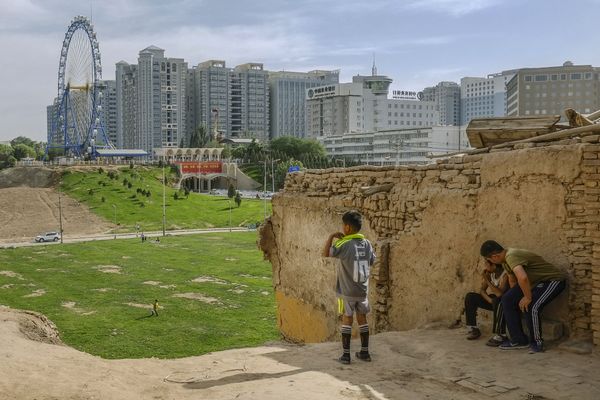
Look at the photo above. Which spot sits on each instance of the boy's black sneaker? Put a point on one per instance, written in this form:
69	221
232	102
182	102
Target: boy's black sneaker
363	356
344	359
508	345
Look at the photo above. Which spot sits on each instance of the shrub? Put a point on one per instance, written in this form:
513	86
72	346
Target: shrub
103	199
125	182
91	192
231	191
176	196
129	185
238	198
100	170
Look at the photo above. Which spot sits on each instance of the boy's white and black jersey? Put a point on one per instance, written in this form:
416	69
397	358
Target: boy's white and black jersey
356	255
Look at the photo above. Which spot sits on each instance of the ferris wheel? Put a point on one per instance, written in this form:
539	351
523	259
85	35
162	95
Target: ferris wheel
77	125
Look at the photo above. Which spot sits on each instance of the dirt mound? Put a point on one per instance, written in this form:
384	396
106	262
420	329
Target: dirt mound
433	364
34	326
29	177
26	212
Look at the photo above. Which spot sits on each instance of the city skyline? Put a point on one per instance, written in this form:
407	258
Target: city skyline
418	43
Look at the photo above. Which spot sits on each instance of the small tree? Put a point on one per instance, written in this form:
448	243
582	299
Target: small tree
148	193
187	192
238	198
131	165
231	191
91	192
129	185
103	199
124	181
176	196
100	170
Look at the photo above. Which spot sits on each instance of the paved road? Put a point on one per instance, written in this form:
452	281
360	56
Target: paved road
76	239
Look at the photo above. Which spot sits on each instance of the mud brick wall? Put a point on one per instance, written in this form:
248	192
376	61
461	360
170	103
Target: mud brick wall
427	224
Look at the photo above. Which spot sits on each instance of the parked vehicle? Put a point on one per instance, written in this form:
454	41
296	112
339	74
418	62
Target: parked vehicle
48	237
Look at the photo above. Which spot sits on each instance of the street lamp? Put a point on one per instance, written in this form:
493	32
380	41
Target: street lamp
273	173
60	216
115	208
229	215
164	216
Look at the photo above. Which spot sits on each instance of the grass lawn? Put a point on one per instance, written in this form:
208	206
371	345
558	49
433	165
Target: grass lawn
99	294
196	211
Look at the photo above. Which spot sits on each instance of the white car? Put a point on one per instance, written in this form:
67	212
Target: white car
48	237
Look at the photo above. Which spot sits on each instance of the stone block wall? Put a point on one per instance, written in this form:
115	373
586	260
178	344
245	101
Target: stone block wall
427	224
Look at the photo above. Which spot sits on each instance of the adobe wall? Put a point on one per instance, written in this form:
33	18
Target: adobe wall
428	222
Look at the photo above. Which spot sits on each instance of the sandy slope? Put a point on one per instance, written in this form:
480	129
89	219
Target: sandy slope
433	364
26	212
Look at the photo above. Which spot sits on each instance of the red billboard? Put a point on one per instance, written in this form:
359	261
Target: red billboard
203	167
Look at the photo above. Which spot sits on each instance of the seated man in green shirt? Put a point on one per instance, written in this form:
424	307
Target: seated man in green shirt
534	283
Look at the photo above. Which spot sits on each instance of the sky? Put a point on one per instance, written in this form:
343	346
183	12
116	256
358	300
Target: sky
417	43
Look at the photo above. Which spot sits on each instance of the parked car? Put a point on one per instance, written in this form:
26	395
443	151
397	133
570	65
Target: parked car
48	237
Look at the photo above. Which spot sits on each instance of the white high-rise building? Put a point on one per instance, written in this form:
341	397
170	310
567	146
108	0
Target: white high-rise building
151	101
363	106
109	109
288	99
484	97
233	101
446	96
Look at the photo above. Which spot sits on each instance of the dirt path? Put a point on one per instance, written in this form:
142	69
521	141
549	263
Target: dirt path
420	364
26	212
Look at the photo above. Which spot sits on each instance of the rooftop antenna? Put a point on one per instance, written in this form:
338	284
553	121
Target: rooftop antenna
374	69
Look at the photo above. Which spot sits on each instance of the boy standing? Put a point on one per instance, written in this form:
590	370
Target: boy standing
356	256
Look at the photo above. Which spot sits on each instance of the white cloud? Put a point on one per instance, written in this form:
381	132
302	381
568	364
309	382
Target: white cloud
454	7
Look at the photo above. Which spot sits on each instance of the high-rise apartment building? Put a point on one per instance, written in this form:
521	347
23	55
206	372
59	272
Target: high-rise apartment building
234	102
151	101
484	97
109	109
288	99
446	96
363	106
126	88
550	90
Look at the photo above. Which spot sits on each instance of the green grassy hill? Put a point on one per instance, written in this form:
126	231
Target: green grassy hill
214	293
99	192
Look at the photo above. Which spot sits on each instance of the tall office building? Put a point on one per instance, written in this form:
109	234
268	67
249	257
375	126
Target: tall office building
234	102
446	96
151	101
550	90
109	109
363	106
126	89
287	95
484	97
51	117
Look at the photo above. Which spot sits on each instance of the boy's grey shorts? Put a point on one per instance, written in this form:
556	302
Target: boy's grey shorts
351	307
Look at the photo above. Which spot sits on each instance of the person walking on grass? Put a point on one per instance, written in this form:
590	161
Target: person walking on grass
494	282
534	283
357	256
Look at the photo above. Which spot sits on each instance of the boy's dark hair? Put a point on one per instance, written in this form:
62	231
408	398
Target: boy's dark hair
489	248
354	219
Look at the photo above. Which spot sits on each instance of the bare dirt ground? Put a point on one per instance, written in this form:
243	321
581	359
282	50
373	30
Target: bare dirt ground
419	364
26	212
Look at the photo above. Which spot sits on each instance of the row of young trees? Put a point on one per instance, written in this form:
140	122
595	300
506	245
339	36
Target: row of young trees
20	147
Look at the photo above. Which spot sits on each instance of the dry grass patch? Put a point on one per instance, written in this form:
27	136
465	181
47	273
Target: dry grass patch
199	297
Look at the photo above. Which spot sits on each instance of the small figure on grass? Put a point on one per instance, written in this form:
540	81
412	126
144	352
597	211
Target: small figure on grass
155	308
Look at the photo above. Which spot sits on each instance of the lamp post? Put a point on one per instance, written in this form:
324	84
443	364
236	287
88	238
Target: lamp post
265	187
273	173
115	209
229	215
164	214
60	216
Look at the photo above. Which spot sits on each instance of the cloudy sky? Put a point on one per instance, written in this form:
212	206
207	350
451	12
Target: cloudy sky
416	42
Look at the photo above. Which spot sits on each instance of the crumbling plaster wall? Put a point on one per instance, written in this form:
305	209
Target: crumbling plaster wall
427	224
